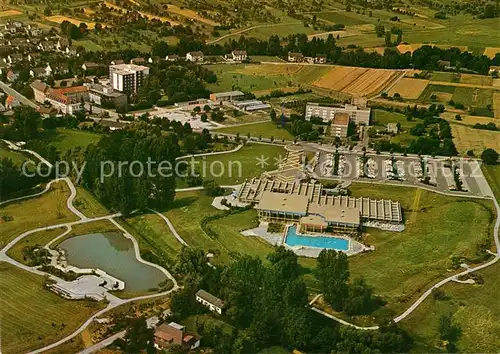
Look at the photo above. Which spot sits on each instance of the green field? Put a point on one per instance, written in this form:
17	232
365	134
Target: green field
40	238
33	317
404	264
16	157
258	77
47	209
380	120
234	168
492	174
445	77
65	139
153	234
188	215
473	97
474	307
266	130
88	204
345	18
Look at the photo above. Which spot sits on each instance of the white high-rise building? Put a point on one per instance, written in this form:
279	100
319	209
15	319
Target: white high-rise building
127	77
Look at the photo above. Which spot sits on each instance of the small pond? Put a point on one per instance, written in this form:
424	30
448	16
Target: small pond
114	254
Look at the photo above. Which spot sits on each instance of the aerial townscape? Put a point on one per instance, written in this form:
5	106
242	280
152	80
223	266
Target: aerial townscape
270	176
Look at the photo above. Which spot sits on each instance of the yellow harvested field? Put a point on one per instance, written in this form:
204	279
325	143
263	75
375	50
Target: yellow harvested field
356	81
412	72
7	13
190	14
468	119
61	19
496	104
496	82
491	51
339	77
466	138
88	11
370	82
409	88
268	69
403	48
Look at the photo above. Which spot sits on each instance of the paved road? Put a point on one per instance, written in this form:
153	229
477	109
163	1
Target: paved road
10	91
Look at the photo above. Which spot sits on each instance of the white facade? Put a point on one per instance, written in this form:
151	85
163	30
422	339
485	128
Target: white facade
127	77
211	306
358	116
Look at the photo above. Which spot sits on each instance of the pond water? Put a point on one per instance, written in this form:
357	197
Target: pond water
114	254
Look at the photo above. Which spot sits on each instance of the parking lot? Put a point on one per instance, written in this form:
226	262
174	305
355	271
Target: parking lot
406	171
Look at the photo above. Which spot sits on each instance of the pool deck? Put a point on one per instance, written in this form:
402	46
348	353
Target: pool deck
277	239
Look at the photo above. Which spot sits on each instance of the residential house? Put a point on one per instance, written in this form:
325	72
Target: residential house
137	61
13	58
295	57
39	72
212	302
320	59
392	128
11	102
33	57
12	75
194	56
46	112
167	335
117	62
494	69
90	66
172	57
62	44
60	68
239	55
33	30
47	46
18	43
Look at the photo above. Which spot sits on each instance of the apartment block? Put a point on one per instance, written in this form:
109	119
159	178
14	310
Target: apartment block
127	77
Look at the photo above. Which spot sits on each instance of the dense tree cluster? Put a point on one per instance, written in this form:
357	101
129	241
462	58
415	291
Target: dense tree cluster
267	304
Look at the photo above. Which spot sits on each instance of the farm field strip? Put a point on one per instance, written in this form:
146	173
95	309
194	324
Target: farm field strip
371	82
61	19
8	13
490	52
409	88
467	138
339	77
190	14
496	104
145	14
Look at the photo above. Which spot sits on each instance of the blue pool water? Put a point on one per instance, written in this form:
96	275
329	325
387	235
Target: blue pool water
292	239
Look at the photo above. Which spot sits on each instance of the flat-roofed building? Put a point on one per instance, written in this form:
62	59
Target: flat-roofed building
106	96
127	77
327	113
226	96
311	207
340	125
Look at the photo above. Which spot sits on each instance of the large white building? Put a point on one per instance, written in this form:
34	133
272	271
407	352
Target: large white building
327	113
127	77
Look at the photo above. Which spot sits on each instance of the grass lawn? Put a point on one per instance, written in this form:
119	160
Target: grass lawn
32	316
88	204
265	129
233	168
475	308
154	235
404	264
47	209
16	157
40	238
492	174
382	117
65	139
266	58
473	97
345	18
445	77
443	94
187	216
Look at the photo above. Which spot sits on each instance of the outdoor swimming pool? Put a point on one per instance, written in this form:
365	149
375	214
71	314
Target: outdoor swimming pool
292	239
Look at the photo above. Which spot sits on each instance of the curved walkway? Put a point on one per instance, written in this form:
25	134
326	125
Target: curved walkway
171	227
113	300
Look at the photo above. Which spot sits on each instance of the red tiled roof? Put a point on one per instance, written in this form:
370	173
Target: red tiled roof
72	89
10	100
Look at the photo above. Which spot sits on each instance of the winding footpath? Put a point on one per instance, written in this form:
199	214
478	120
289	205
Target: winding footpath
113	300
